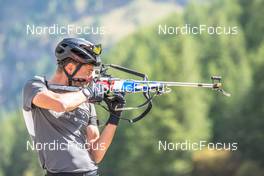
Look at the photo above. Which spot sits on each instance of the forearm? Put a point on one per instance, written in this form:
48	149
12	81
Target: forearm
104	142
108	133
72	100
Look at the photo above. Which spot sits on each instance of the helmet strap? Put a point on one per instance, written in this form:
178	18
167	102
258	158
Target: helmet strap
70	76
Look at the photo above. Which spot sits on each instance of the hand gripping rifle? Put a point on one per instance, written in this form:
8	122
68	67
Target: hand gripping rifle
149	89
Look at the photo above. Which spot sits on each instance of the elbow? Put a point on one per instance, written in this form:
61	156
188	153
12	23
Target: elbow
98	160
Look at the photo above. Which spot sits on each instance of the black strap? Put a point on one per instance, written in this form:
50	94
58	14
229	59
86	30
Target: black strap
127	70
70	76
146	94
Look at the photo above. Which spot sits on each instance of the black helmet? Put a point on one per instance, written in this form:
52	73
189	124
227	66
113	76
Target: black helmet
78	49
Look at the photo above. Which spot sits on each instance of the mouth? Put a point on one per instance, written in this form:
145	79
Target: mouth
82	81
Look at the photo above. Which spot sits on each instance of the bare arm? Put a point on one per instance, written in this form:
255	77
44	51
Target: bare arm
100	144
108	133
59	102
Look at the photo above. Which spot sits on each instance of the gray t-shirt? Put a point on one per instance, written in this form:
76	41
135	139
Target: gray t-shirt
59	138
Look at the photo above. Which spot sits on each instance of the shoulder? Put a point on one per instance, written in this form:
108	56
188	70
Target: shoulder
36	80
31	88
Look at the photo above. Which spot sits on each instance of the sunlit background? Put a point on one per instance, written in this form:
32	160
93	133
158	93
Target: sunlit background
128	31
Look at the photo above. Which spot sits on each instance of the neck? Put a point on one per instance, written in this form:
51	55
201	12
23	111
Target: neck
59	78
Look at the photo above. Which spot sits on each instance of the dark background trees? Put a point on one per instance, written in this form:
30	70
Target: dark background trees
185	114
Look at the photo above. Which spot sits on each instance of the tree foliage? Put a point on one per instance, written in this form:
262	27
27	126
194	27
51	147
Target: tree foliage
185	114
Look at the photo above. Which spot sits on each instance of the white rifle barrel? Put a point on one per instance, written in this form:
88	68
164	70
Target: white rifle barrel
180	84
189	84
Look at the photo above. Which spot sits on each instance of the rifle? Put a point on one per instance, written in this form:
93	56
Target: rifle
149	89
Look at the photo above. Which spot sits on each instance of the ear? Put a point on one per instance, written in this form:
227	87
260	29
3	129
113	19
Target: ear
70	67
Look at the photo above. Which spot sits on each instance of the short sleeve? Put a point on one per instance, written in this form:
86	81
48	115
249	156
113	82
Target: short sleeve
31	88
93	118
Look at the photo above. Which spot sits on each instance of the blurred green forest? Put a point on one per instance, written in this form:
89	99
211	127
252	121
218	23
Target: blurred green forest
184	114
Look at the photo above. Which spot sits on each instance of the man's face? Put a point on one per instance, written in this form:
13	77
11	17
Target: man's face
84	73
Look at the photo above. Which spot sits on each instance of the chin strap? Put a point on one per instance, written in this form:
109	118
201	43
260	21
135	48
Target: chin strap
70	76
